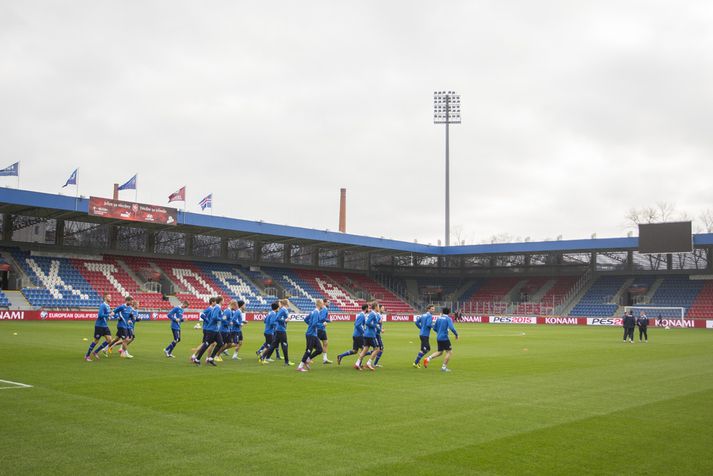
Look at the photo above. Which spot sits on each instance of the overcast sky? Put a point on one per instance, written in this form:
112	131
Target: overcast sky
573	111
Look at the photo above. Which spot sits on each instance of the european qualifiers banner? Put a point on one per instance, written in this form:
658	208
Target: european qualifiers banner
130	211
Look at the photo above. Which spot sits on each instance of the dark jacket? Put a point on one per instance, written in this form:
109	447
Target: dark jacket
629	322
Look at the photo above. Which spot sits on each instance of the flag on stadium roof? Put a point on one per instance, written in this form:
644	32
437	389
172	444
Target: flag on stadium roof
130	184
11	171
207	202
179	196
72	180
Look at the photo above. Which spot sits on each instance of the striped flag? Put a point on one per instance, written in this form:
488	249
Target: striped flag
207	202
179	196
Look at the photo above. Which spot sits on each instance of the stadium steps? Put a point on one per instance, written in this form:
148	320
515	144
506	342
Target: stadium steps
129	271
17	300
584	283
627	284
617	297
165	274
652	290
26	282
515	291
537	297
411	287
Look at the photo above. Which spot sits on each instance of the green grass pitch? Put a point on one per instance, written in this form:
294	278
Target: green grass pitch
520	400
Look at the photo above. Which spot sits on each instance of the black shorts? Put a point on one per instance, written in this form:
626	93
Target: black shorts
357	343
322	335
370	342
269	338
313	343
176	334
131	333
122	332
226	337
238	336
379	342
425	344
212	336
280	337
444	345
100	332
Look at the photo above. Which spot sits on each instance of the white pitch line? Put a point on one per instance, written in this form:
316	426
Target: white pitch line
15	384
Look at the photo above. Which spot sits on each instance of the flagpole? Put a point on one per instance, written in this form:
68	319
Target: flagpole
76	188
18	175
136	189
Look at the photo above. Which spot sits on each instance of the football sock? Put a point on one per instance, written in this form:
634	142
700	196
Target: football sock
91	347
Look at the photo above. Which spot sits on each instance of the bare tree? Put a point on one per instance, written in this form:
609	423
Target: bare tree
706	219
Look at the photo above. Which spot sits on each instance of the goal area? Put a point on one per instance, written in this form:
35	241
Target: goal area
656	312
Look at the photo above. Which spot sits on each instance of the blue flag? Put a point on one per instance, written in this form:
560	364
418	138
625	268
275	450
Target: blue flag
130	185
72	180
13	170
207	202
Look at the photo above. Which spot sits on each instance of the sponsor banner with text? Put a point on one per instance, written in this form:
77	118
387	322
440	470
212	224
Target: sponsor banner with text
604	321
562	321
512	320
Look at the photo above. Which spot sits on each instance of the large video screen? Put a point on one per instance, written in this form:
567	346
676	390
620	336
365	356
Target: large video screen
121	210
673	237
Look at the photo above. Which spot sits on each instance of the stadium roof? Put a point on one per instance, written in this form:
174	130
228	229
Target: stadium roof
70	208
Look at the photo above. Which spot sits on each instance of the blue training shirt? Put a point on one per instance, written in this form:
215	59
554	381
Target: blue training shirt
102	316
205	315
123	313
323	317
133	317
442	325
215	319
425	323
238	320
226	320
312	321
281	320
269	326
176	317
359	325
372	322
379	323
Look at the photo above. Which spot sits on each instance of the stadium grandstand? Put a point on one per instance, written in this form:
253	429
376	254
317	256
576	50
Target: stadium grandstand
54	255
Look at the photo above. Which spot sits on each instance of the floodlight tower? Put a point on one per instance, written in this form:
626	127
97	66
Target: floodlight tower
446	110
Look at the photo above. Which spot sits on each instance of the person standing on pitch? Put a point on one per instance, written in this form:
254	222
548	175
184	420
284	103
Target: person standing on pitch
441	326
314	346
322	330
372	321
629	323
211	334
175	315
379	329
357	335
269	331
643	323
280	339
425	324
238	323
101	329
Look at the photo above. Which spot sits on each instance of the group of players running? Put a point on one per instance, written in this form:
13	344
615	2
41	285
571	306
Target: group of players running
222	330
